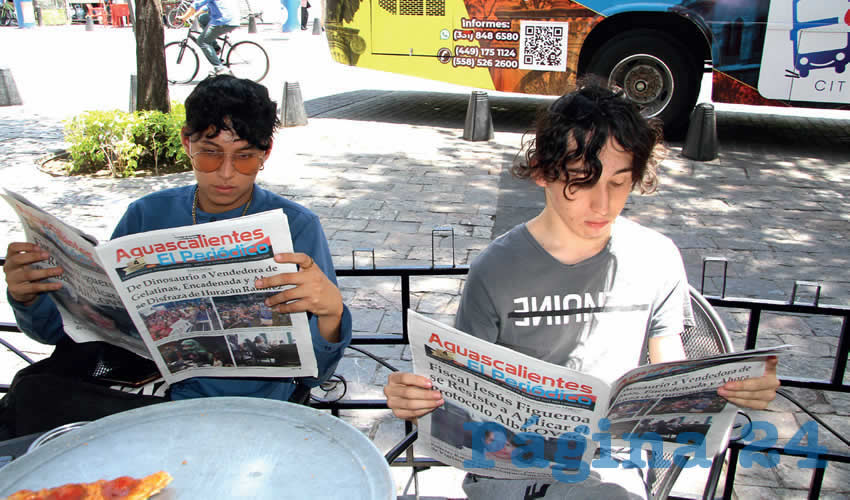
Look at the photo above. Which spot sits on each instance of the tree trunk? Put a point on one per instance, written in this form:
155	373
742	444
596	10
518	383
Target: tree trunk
152	82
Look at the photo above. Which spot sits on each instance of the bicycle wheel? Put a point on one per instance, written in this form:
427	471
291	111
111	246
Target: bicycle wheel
248	60
181	62
175	12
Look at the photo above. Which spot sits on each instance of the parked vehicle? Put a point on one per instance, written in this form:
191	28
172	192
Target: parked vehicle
760	51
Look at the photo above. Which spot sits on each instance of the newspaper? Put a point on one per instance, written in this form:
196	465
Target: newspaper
183	297
508	415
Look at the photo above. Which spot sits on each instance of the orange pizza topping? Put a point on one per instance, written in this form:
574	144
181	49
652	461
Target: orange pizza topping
122	488
119	488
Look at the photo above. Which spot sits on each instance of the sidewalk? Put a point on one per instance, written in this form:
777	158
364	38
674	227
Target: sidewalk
382	167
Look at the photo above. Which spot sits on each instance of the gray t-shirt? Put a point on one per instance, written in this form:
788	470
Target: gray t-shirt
594	316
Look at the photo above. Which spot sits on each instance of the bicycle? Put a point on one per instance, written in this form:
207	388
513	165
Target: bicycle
245	59
173	14
8	14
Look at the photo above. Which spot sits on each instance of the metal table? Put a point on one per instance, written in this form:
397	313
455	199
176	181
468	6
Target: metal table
214	448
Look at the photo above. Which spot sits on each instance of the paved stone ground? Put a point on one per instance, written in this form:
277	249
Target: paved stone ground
382	168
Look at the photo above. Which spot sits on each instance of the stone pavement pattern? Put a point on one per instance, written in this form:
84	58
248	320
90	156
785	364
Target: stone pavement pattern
383	167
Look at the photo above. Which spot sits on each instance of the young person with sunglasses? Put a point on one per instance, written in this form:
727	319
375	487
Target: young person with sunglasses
591	149
228	134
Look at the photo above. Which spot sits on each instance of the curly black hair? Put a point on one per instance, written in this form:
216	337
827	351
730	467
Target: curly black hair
576	127
241	106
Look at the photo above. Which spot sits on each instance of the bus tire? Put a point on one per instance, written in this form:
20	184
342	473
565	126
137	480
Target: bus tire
656	72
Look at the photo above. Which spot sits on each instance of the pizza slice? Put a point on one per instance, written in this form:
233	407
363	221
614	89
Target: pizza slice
122	488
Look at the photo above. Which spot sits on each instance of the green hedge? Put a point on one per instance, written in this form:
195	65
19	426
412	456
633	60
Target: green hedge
127	143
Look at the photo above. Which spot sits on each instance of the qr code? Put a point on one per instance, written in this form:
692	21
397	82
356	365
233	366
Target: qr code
543	45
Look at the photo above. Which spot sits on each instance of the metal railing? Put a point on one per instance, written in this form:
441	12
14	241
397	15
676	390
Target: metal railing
836	382
756	308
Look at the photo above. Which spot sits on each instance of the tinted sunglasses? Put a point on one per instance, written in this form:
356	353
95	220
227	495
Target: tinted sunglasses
245	163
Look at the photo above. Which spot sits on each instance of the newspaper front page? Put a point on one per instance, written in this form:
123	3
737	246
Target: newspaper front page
500	404
191	292
508	415
185	297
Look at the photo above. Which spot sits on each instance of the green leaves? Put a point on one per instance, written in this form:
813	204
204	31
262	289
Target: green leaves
127	144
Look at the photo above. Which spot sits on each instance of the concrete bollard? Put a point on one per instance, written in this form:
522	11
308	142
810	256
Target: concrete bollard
9	95
701	141
89	23
252	24
134	92
479	123
317	26
292	112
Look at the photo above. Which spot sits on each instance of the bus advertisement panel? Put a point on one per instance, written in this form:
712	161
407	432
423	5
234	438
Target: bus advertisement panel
769	52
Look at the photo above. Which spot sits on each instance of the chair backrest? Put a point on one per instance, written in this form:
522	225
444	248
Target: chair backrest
706	337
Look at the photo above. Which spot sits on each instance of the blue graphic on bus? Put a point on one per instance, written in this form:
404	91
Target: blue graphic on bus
807	61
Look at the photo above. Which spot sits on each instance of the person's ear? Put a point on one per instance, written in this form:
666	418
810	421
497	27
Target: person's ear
540	180
184	138
268	152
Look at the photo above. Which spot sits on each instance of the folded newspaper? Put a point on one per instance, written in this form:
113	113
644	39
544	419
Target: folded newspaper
508	415
183	297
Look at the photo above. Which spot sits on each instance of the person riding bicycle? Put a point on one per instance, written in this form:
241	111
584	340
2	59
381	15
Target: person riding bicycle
223	18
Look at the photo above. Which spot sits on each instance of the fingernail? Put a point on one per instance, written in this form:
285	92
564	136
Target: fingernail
258	283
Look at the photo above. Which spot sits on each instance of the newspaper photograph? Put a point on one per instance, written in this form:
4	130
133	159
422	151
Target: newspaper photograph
508	415
191	292
90	306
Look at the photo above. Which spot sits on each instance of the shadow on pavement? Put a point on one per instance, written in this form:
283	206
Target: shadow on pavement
764	162
510	113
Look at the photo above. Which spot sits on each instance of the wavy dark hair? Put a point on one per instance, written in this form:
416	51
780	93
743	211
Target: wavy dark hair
241	106
576	127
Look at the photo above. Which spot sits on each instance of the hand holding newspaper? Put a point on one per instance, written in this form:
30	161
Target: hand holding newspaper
508	415
183	297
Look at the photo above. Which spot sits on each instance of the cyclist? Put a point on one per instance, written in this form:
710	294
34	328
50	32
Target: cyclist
223	18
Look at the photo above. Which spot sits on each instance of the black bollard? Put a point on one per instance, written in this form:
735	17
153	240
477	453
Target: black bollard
701	141
479	122
133	93
9	95
292	112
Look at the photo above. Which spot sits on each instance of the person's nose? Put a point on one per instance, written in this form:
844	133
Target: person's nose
227	170
599	199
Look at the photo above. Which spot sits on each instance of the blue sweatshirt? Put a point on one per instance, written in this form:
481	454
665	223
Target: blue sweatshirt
173	208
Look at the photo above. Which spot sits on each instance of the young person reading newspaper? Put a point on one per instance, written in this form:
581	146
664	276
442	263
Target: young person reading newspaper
229	130
591	149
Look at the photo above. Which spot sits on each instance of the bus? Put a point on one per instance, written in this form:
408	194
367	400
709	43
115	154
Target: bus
760	52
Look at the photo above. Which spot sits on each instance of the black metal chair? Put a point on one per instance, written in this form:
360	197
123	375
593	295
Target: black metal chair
11	327
707	337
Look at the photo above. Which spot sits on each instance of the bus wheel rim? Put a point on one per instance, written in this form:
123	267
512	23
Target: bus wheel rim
646	80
